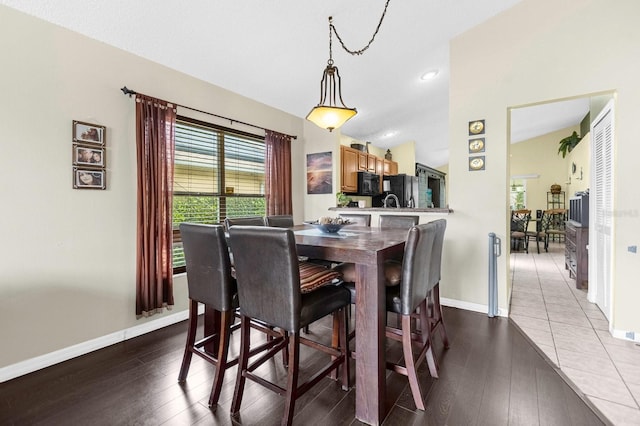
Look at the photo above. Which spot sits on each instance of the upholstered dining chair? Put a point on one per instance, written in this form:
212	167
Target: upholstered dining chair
436	319
519	224
357	219
409	300
279	221
209	281
249	220
267	268
397	221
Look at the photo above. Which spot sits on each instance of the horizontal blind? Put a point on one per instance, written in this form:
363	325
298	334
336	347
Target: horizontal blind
218	173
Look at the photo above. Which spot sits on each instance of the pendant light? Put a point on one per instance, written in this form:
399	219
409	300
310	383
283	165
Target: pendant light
328	114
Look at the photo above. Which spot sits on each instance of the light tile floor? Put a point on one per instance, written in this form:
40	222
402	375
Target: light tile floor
573	334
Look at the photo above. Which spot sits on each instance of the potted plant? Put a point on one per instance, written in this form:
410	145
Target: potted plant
342	199
567	144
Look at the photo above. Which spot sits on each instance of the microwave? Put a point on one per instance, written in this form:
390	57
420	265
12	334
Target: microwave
368	184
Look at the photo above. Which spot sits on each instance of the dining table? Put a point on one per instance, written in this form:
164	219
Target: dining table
368	248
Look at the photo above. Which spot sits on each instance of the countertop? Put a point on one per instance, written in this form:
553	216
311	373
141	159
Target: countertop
391	210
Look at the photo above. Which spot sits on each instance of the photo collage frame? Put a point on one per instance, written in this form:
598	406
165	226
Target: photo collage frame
89	155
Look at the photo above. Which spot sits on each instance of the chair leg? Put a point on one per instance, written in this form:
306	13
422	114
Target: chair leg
292	378
409	362
227	319
243	361
427	340
340	339
191	338
437	318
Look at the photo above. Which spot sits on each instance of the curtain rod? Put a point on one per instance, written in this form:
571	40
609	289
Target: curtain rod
130	92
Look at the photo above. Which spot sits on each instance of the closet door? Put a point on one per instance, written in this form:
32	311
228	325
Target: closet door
601	208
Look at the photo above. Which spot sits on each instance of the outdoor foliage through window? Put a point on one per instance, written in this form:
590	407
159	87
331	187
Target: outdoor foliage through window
218	173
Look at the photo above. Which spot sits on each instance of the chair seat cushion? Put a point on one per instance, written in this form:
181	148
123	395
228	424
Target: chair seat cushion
321	302
313	276
517	234
392	272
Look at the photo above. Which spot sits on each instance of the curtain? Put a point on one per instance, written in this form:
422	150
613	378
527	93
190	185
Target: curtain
278	173
155	141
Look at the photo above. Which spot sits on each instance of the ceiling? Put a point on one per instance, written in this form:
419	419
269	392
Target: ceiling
275	52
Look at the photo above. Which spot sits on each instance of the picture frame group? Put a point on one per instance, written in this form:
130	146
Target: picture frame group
88	155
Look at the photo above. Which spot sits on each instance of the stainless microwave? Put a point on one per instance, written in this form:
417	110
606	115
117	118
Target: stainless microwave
368	184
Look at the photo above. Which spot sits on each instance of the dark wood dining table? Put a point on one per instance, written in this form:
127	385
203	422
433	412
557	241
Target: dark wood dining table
367	248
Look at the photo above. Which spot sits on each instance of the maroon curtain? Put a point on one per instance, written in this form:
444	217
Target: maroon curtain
155	140
278	173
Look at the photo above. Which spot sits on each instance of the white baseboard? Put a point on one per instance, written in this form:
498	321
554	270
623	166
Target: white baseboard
33	364
468	306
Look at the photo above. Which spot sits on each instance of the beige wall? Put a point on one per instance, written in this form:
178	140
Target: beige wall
538	51
67	267
581	157
539	156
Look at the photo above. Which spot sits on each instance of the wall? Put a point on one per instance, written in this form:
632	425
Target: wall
67	266
539	156
522	56
581	157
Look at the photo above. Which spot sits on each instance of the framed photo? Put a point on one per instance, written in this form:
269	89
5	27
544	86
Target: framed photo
88	156
320	173
476	127
476	145
476	163
89	178
88	133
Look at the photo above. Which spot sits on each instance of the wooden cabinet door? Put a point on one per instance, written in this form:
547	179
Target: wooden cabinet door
371	163
349	169
363	159
380	170
390	168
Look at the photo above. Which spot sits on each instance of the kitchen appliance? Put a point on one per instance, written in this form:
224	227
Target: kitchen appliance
404	187
368	184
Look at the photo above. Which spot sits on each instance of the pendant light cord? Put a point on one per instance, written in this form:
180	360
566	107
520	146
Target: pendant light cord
332	28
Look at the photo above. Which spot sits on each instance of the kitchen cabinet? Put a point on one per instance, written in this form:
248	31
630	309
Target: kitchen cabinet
353	161
349	169
390	167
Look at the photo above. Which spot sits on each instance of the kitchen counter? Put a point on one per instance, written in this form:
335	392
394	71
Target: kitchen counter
390	210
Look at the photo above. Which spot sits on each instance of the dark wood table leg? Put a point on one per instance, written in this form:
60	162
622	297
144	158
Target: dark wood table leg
370	337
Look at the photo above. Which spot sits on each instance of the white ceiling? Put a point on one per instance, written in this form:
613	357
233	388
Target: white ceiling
275	52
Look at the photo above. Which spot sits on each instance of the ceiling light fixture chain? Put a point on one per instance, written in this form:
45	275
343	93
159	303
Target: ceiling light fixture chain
332	28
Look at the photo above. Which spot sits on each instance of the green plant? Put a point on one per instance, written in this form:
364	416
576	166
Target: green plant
342	199
567	144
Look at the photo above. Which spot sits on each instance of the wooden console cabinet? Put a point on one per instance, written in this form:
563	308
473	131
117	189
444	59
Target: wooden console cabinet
576	256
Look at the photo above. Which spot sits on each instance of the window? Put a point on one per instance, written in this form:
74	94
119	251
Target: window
218	173
518	198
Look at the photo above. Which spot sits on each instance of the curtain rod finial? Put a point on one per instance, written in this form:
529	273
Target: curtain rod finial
127	91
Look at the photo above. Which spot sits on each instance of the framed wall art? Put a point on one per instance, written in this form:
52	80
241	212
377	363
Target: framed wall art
476	145
88	133
319	173
476	163
88	156
84	178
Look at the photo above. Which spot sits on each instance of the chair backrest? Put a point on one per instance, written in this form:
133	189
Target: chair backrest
357	219
246	221
416	266
392	221
268	274
553	219
206	254
520	220
279	221
436	254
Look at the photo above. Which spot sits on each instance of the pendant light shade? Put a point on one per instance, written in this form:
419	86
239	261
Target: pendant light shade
327	114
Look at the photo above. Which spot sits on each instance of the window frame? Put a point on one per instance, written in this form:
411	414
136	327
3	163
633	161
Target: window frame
220	165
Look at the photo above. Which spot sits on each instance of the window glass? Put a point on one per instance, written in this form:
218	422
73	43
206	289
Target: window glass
218	173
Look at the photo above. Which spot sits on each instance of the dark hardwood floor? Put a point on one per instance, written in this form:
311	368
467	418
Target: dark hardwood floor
491	375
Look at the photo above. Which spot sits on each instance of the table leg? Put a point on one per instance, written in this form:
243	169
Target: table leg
370	338
212	319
